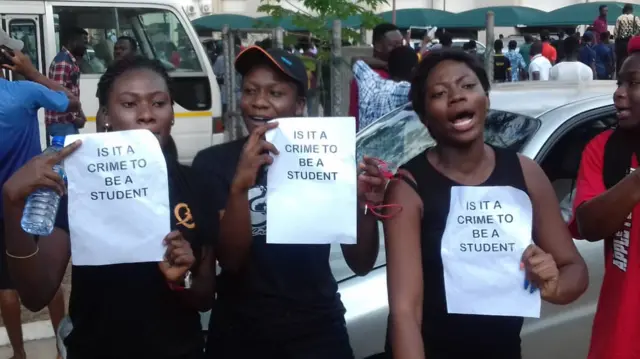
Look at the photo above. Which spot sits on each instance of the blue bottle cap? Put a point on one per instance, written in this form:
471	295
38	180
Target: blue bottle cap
58	141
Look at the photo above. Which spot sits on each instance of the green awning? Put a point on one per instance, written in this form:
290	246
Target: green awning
217	21
284	22
583	14
405	18
505	16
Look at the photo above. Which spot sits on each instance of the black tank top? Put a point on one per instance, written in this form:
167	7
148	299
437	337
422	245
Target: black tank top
453	336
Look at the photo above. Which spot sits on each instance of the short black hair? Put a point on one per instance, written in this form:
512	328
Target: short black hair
536	48
380	31
602	7
73	34
446	39
121	67
131	40
528	38
544	35
402	61
628	8
418	84
498	45
513	44
571	45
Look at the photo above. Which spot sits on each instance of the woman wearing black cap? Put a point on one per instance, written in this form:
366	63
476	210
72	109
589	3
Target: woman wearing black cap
274	300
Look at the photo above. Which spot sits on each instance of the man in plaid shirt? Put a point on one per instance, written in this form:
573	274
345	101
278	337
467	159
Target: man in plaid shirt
65	71
377	96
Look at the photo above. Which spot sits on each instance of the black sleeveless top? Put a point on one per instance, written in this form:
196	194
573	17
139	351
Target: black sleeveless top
453	336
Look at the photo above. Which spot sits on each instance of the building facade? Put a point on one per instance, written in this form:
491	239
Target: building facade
197	8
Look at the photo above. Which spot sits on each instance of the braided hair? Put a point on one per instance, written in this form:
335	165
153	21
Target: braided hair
122	66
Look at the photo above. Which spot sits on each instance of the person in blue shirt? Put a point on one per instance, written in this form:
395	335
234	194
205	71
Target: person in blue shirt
19	142
587	54
604	57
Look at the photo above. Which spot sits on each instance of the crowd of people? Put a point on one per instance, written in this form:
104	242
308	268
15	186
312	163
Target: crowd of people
282	301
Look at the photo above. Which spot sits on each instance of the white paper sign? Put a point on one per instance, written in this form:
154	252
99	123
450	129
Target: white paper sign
488	229
312	194
118	198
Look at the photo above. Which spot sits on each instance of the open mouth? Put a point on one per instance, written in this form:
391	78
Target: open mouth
623	113
463	121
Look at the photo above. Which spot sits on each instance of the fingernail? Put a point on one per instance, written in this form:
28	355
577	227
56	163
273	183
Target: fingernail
521	265
526	283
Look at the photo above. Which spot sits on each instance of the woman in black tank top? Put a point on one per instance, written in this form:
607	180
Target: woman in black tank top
450	94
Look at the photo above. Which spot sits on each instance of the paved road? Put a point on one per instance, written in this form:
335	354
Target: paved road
36	349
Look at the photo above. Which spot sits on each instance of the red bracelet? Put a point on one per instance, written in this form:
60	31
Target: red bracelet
187	283
383	167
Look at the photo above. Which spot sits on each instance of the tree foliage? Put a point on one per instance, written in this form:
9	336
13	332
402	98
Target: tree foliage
316	16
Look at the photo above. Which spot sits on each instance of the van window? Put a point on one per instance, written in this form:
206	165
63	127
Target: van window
27	31
158	33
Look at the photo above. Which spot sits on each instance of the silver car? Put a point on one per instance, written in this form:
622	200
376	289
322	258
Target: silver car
550	122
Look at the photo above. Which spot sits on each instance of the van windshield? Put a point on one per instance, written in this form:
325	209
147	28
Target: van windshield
158	34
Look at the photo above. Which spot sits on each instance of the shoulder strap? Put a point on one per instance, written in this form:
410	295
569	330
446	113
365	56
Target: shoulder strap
416	166
618	153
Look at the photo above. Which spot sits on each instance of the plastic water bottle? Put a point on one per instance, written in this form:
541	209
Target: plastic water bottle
40	211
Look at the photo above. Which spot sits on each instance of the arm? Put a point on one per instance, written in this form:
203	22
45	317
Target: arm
23	65
552	236
42	97
201	293
404	271
535	75
362	256
39	271
600	213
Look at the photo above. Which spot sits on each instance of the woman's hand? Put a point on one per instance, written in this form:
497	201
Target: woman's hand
254	155
371	182
541	271
36	174
178	258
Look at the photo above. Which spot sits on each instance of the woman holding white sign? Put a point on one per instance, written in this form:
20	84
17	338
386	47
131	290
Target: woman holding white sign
131	310
274	300
480	238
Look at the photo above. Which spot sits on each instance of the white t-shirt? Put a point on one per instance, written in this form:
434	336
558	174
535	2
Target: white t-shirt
540	64
571	71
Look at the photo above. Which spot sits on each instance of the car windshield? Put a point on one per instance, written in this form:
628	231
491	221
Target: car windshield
400	135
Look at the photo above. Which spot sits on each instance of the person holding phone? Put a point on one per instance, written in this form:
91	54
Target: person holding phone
132	310
19	142
275	300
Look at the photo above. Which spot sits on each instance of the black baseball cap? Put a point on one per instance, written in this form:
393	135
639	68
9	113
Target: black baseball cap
289	64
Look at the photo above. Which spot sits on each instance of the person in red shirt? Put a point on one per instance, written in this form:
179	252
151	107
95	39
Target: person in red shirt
600	23
548	50
386	37
607	206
